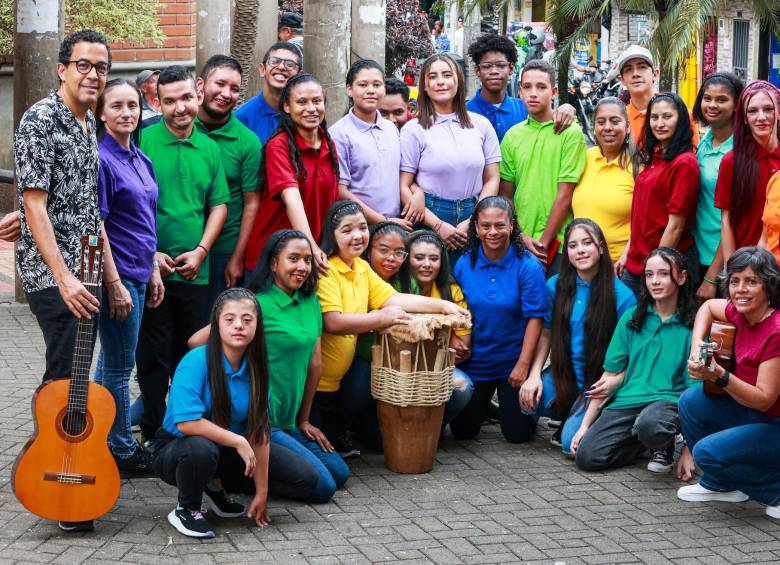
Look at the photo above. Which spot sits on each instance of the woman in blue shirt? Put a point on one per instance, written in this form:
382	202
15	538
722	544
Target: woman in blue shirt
505	289
215	431
585	301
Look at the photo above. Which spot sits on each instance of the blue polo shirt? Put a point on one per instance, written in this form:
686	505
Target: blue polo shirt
258	116
624	299
190	395
502	297
511	112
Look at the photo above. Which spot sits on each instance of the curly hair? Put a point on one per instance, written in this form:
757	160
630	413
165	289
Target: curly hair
515	238
686	301
491	41
85	36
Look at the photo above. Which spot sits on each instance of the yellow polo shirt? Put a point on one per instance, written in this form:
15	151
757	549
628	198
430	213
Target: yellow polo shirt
604	195
351	291
457	298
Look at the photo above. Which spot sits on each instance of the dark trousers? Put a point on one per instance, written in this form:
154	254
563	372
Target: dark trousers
618	437
515	426
190	462
162	343
58	326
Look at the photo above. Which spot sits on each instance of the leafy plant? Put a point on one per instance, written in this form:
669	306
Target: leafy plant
407	34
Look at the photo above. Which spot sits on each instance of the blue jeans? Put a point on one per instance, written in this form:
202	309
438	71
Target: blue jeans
737	448
461	394
332	470
547	408
453	212
118	340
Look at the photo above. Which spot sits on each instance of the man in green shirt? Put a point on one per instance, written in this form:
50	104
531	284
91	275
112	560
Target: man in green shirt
539	168
219	83
191	210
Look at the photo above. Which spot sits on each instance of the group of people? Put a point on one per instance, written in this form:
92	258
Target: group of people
251	255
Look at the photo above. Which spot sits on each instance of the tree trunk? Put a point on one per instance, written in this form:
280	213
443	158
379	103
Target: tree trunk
368	30
38	31
666	78
471	30
213	31
326	32
254	31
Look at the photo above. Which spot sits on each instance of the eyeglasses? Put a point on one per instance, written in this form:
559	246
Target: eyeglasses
384	252
85	67
288	64
500	65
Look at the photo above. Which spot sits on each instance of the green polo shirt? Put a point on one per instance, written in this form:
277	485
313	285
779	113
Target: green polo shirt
536	160
240	150
655	360
706	228
191	180
292	326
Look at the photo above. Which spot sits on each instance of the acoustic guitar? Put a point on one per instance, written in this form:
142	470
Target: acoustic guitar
66	471
722	337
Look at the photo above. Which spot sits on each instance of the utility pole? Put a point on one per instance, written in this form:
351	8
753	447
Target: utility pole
213	30
38	31
326	32
368	30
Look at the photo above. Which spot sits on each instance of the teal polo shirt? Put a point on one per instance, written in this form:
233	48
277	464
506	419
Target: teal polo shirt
292	325
191	180
655	360
706	229
240	151
190	396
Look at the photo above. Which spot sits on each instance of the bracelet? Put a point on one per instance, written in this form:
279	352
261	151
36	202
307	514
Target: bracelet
709	280
155	264
203	248
437	226
109	283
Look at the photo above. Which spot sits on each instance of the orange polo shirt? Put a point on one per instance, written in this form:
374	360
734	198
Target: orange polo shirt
636	118
772	215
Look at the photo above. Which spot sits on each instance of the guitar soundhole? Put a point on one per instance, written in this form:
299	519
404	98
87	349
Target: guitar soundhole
74	426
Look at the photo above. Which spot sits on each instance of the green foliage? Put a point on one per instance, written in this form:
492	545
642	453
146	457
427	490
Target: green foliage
120	20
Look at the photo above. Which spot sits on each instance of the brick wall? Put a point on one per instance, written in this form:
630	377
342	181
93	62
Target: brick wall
178	20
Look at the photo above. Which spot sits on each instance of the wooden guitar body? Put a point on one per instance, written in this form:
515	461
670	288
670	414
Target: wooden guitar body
723	334
67	477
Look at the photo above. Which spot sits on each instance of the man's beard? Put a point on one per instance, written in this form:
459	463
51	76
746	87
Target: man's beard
214	114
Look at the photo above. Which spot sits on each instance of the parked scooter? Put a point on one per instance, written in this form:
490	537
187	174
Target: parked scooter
581	88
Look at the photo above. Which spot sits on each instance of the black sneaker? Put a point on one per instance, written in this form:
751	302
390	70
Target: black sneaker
218	502
190	523
493	413
556	438
139	464
85	526
661	461
344	446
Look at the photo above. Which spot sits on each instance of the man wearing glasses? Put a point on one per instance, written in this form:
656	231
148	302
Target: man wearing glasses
494	58
56	155
261	113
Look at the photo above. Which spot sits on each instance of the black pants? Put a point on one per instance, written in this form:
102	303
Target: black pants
58	326
516	427
162	343
190	462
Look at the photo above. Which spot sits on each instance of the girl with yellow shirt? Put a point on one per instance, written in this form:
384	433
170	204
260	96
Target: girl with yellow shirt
429	267
605	191
355	300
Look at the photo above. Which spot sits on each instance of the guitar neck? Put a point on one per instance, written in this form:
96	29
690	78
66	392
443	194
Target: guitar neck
82	359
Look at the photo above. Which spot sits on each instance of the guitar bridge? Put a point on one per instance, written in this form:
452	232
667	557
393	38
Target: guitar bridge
69	478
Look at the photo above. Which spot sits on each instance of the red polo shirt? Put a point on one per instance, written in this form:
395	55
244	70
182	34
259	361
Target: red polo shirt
747	230
318	191
661	189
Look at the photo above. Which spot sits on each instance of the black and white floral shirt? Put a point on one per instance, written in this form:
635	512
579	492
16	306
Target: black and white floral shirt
54	153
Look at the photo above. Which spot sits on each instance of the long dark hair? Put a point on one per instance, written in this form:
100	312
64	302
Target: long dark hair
600	320
101	102
629	156
262	278
515	238
287	128
444	278
257	365
764	265
686	301
744	178
426	114
337	211
401	278
733	84
682	139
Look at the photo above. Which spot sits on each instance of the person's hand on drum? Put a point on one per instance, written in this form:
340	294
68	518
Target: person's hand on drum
390	316
448	307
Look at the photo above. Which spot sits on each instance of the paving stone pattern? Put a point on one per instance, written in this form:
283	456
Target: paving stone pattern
486	501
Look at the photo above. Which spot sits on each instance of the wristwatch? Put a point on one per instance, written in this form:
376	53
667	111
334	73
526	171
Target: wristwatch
722	381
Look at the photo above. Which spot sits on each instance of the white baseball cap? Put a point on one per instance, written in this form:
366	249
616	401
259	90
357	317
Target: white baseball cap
634	52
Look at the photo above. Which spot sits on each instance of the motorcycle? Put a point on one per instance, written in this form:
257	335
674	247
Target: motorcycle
581	89
603	86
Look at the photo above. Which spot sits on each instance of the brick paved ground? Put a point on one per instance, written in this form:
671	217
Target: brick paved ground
485	502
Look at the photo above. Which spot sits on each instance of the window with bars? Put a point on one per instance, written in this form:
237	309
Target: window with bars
638	28
741	46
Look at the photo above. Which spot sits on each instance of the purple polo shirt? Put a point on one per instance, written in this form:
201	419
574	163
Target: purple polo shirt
127	194
369	161
448	160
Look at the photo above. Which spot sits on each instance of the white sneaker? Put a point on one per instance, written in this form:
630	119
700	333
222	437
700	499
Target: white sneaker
697	493
773	511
